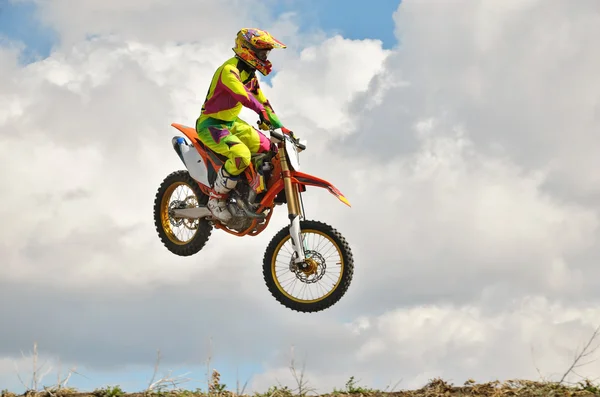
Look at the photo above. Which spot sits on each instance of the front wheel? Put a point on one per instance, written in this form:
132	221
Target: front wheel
194	232
325	276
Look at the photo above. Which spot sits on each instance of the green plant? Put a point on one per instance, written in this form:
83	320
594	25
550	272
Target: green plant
353	388
109	391
588	386
276	391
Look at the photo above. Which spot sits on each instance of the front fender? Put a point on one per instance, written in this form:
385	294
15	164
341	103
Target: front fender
306	179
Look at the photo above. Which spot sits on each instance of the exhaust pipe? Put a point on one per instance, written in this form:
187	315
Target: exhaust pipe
180	145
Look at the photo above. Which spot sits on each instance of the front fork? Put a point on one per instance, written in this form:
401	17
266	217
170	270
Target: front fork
293	204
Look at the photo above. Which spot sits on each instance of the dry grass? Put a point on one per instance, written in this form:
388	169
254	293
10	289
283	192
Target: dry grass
170	386
434	388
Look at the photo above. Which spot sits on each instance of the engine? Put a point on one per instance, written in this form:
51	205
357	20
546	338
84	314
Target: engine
244	203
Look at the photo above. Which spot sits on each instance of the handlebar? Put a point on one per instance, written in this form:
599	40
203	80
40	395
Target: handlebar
279	136
276	135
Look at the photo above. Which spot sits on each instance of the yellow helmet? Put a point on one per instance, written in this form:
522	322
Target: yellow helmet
253	47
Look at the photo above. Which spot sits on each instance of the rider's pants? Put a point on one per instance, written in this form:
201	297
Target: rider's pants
236	140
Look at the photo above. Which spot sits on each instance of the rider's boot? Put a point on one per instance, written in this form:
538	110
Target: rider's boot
218	205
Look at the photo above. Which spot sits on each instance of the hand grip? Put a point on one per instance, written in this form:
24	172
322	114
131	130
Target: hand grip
279	136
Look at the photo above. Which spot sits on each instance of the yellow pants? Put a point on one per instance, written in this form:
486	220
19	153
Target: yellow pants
236	140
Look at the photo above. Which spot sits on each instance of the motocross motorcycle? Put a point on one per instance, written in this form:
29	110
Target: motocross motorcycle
319	261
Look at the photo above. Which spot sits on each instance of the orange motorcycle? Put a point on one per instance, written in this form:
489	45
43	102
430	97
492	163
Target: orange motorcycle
319	260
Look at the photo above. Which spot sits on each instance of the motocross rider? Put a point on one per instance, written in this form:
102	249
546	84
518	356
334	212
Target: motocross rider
234	84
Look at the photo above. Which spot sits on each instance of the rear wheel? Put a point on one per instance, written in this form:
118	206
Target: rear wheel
194	232
321	281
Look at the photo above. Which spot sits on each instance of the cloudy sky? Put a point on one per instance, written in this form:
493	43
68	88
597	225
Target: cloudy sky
465	135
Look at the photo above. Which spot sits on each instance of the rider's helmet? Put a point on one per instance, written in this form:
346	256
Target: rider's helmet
253	46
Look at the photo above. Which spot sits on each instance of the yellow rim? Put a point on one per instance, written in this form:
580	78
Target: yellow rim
166	219
339	262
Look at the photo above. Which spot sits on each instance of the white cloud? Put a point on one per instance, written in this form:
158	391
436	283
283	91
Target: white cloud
518	75
415	344
153	21
332	73
467	154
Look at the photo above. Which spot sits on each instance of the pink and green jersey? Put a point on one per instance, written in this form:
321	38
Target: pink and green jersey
230	90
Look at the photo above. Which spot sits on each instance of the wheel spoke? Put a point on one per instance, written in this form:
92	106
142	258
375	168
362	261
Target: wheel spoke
181	236
180	231
322	271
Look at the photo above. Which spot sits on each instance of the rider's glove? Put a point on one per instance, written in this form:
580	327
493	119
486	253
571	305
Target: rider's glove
264	123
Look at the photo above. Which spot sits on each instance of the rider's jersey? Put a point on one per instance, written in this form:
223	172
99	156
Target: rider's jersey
231	89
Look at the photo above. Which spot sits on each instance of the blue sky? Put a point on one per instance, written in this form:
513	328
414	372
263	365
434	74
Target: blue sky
352	19
134	380
18	22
